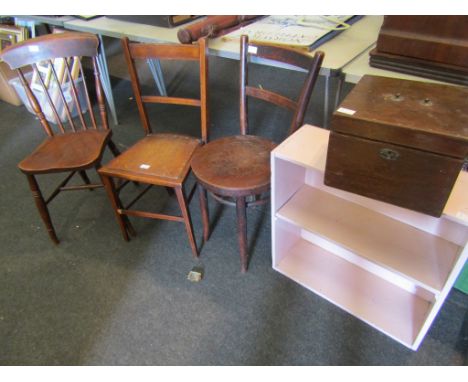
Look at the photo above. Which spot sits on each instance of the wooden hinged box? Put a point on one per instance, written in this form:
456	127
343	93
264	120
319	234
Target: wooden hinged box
399	141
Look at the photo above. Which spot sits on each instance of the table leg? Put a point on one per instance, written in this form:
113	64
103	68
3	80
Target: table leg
339	89
325	100
106	83
156	71
28	24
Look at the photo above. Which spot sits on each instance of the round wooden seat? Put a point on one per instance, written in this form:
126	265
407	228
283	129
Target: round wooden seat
234	166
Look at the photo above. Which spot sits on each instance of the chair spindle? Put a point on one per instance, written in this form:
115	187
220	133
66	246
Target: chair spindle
49	99
88	99
35	104
100	96
75	92
62	97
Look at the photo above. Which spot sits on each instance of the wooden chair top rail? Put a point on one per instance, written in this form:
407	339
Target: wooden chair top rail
171	100
49	47
144	51
164	51
270	96
284	55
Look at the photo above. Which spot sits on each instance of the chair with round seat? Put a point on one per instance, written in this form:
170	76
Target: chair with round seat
235	170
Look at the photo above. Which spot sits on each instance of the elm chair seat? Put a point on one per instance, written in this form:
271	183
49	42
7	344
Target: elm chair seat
234	166
67	152
155	159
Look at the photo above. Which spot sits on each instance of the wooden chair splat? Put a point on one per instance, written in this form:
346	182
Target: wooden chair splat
35	104
74	93
49	99
171	100
100	95
88	99
62	98
272	97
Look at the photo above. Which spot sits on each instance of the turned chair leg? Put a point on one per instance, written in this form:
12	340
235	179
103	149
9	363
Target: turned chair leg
187	219
123	221
113	148
242	231
204	211
85	178
42	207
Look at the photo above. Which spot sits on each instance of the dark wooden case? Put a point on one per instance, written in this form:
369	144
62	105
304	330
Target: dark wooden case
402	142
433	46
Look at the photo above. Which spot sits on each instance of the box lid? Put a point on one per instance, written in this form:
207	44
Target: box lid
427	116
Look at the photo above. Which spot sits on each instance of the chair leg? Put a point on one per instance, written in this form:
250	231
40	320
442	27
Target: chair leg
42	207
85	178
113	148
116	152
187	219
242	231
204	211
116	205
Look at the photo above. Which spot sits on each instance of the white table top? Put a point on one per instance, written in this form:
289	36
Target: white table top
116	28
52	20
339	51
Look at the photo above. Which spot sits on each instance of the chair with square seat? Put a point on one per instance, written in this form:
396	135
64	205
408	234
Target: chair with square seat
56	91
158	159
236	169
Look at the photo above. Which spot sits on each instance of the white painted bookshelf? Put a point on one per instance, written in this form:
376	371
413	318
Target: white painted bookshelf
389	266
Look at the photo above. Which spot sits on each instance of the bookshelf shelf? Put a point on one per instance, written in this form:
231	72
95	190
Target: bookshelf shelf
388	266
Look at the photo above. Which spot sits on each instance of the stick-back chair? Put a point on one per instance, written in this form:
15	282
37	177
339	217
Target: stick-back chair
236	169
158	159
57	93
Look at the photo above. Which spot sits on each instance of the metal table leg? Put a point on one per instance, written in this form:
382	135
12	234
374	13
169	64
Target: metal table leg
339	89
325	101
106	83
27	24
155	68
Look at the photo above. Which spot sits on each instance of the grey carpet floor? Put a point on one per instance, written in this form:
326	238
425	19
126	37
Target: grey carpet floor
95	299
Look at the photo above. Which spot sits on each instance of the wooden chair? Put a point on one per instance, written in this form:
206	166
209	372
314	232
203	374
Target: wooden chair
158	159
236	170
57	93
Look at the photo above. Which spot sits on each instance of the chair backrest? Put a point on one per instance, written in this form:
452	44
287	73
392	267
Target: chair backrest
56	89
147	51
290	57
